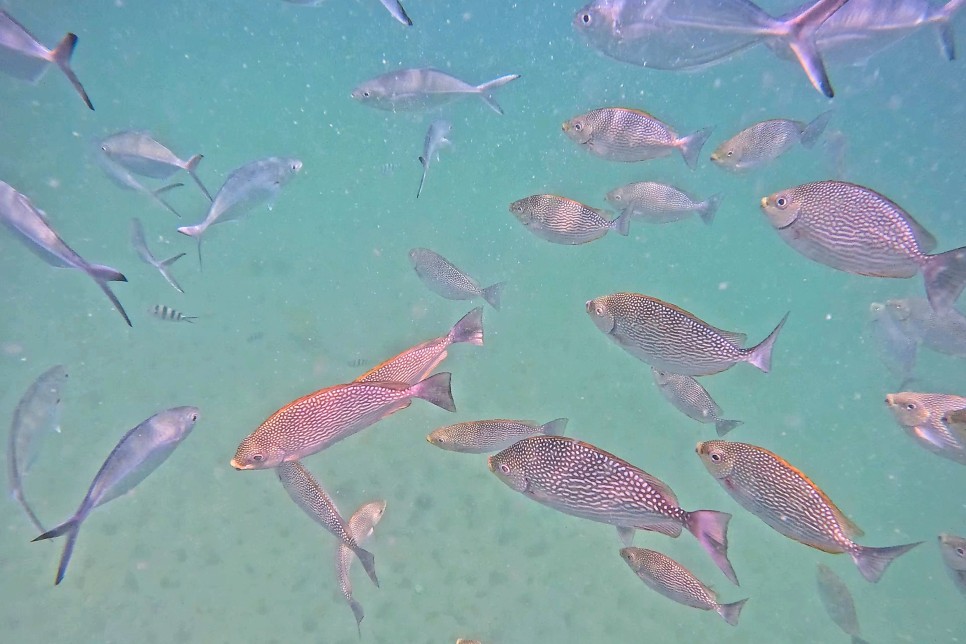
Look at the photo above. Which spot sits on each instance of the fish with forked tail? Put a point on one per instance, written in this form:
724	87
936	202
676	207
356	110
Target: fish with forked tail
421	89
444	279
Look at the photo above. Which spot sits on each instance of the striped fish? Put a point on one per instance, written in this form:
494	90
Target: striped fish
168	314
485	436
565	221
765	141
660	203
361	524
582	480
921	416
784	498
443	278
838	602
693	400
953	550
671	339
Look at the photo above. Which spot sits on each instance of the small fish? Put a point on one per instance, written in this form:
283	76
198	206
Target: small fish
29	224
897	348
36	415
141	246
309	495
444	279
485	436
168	314
463	640
785	499
124	178
434	142
671	339
361	525
565	221
838	602
953	550
659	203
139	452
419	90
584	481
394	8
857	230
314	422
765	141
23	57
693	400
674	581
415	363
139	152
941	331
920	415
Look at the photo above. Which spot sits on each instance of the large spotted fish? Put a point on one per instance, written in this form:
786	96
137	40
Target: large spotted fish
921	416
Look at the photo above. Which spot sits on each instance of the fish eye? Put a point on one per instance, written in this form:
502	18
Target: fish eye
598	309
781	202
617	197
715	457
910	406
258	458
194	417
578	126
731	153
585	18
961	551
365	94
505	469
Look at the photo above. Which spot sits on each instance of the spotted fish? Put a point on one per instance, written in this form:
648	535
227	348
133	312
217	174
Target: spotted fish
361	525
920	414
838	602
485	436
443	278
691	399
660	203
564	221
582	480
784	498
953	550
765	141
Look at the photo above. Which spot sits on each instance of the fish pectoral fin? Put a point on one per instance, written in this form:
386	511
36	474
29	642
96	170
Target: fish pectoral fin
626	535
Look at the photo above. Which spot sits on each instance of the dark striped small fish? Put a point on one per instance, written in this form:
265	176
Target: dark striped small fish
361	524
485	436
765	141
168	314
784	498
693	400
953	550
920	415
838	602
660	203
443	278
564	221
674	581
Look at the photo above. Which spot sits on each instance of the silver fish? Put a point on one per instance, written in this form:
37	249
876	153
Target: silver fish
765	141
921	416
838	602
943	332
140	153
564	221
394	7
854	229
139	452
36	415
660	203
124	178
434	142
896	347
485	436
23	57
444	279
421	89
29	224
691	399
953	550
141	246
361	525
168	314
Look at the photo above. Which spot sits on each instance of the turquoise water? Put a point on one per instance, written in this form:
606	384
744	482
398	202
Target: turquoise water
290	298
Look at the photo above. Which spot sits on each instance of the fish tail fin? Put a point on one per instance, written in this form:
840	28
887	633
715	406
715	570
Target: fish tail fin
486	91
492	294
942	17
357	612
195	231
368	563
814	129
945	277
156	195
104	274
395	8
422	180
190	166
436	390
163	267
858	640
622	225
469	328
723	426
872	562
800	39
690	145
70	528
61	57
709	207
730	612
555	427
172	260
17	494
710	527
760	355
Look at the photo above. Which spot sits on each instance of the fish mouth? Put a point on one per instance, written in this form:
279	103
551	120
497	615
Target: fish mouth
697	448
764	202
890	400
489	464
239	466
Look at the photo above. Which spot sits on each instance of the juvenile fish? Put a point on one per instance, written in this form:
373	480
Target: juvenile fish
670	339
314	422
691	399
394	8
444	279
765	141
361	524
434	142
36	415
141	246
674	581
139	452
584	481
29	224
23	57
896	347
622	134
139	152
565	221
419	90
785	499
953	550
485	436
857	230
660	203
943	332
168	314
838	602
920	415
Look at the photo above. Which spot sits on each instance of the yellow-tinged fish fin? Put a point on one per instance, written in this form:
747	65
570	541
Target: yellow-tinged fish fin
647	114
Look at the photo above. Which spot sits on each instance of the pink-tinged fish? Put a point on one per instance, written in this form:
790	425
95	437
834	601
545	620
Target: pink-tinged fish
660	203
785	499
953	550
418	90
485	436
921	416
443	278
623	134
361	525
854	229
564	221
691	399
838	602
314	422
765	141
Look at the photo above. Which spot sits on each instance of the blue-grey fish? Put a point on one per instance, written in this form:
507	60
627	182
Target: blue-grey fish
941	331
921	416
693	400
955	420
854	229
434	142
444	279
485	436
896	347
394	7
765	141
29	224
564	221
140	153
663	574
23	57
139	452
141	246
124	178
168	314
36	415
421	89
660	203
838	602
953	549
361	525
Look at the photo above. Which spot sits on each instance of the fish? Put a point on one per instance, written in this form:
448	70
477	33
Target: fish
688	34
660	203
953	551
838	602
139	452
485	436
765	141
955	420
361	525
124	178
941	331
29	224
674	581
314	422
897	348
693	400
671	339
36	415
306	492
22	56
168	314
584	481
443	278
415	363
857	230
141	246
246	187
394	7
784	498
139	152
920	415
422	89
564	221
434	142
624	134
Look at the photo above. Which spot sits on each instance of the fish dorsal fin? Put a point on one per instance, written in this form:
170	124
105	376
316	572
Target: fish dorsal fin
642	113
848	526
734	337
